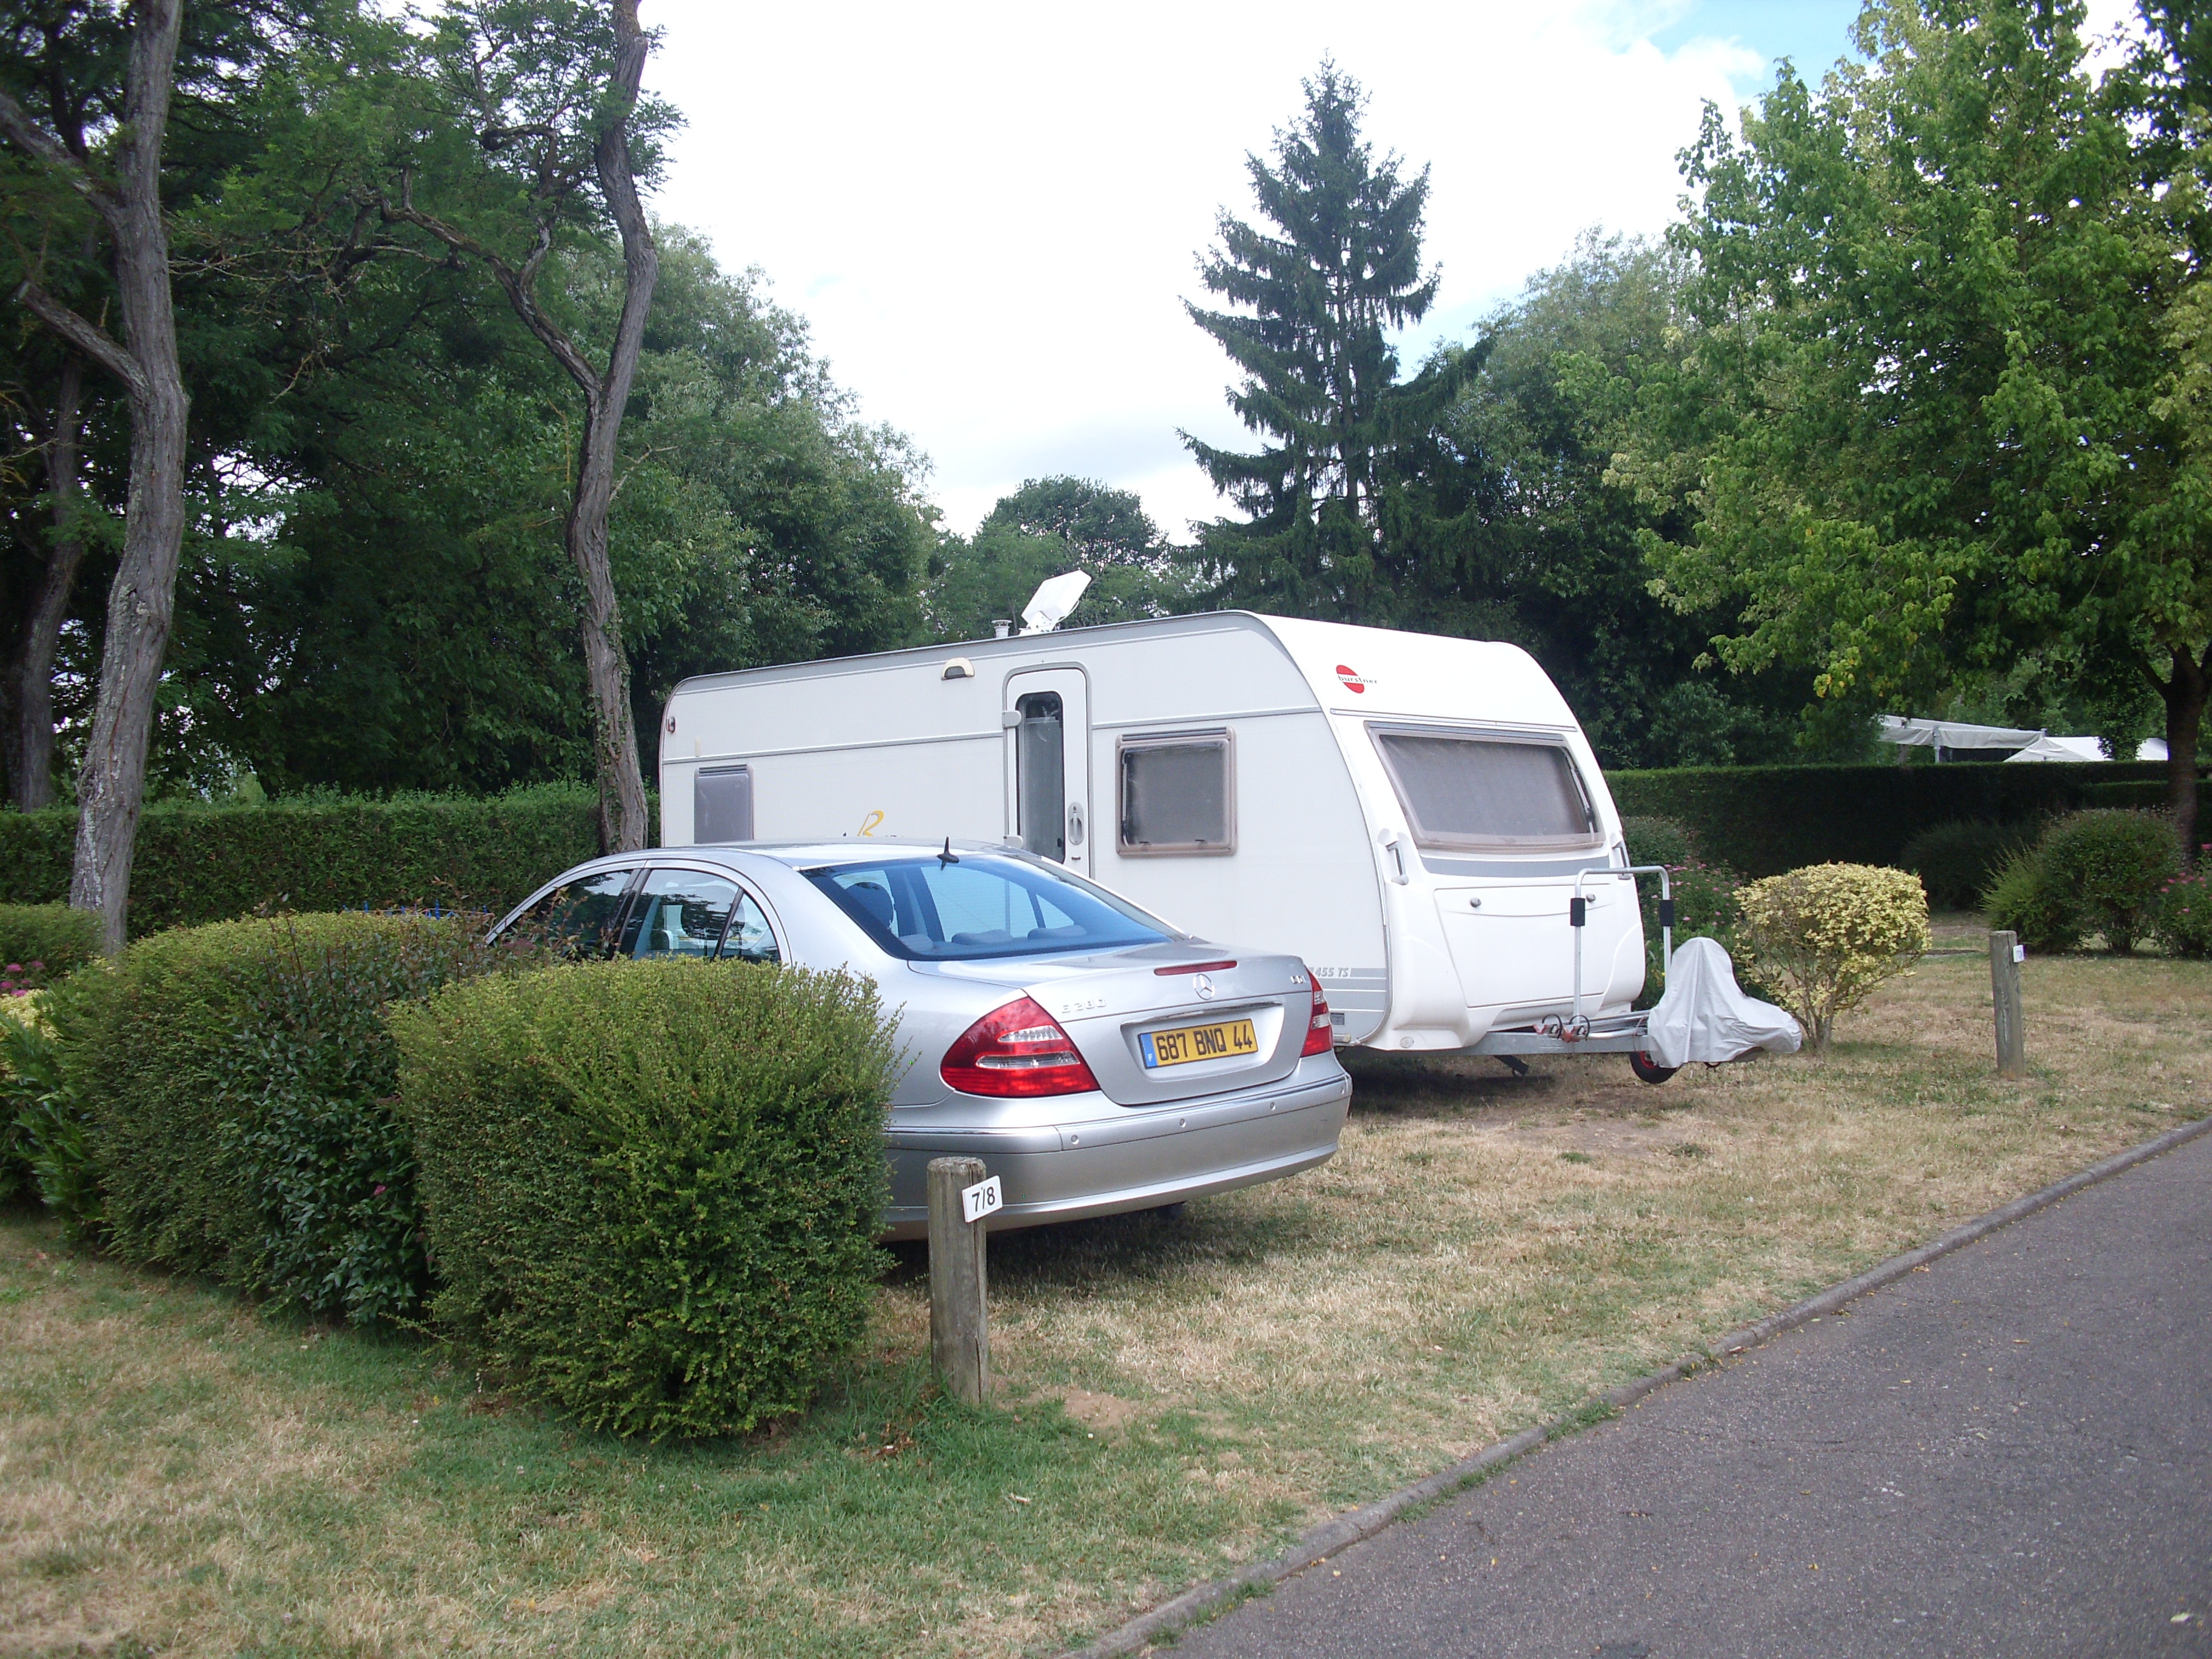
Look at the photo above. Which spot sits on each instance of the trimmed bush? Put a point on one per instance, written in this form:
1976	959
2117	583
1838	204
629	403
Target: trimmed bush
43	1152
2109	867
2185	914
198	864
2020	900
1956	861
1658	841
652	1188
1763	819
234	1082
40	943
1826	935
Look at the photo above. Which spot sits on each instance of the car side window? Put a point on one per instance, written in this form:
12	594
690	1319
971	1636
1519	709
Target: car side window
578	919
750	938
681	913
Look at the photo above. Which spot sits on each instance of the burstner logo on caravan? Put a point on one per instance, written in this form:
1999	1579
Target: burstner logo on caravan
1351	680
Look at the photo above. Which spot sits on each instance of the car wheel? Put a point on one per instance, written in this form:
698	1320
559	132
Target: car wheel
1648	1069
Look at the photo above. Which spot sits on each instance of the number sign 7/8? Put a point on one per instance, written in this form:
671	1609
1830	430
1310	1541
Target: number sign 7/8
981	1199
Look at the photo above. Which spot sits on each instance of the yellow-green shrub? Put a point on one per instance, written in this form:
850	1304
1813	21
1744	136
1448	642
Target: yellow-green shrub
1823	937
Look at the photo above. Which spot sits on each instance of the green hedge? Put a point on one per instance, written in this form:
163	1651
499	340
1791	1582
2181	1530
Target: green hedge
234	1084
199	864
651	1189
1764	820
46	941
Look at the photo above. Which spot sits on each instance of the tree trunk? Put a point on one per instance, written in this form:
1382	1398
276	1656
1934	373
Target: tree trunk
622	784
2185	690
31	741
112	788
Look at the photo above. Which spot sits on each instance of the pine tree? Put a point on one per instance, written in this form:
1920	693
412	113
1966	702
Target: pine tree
1337	500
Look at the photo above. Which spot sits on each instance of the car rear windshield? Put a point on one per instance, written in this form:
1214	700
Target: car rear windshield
1466	791
973	906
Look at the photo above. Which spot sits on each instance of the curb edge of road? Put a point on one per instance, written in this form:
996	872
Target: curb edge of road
1340	1531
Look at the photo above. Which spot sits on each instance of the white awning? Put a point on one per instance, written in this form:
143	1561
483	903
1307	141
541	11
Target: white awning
1952	734
2083	749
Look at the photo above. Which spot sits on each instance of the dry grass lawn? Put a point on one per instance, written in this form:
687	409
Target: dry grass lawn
180	1475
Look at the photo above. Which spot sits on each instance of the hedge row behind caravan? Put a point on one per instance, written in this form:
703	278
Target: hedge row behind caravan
1410	815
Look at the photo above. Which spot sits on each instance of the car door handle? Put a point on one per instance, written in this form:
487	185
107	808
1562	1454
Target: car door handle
1075	824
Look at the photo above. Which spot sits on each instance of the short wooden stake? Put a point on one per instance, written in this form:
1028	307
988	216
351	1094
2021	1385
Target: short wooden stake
959	1331
2004	984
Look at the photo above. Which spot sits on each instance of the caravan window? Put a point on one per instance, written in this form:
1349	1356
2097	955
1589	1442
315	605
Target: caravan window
1040	775
1178	793
1465	790
722	805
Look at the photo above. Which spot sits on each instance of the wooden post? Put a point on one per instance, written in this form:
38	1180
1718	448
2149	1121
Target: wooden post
2004	983
959	1331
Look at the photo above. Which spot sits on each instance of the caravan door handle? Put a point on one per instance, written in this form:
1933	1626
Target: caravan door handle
1396	848
1075	823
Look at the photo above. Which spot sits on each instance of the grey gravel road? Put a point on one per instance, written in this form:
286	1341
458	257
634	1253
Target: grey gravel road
2007	1453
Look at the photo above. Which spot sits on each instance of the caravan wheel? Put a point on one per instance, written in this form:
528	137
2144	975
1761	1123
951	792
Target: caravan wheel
1648	1069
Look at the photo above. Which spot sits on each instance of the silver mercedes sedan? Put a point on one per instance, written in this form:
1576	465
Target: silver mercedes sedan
1094	1058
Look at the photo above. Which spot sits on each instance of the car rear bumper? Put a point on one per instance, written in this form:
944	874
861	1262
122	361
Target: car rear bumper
1137	1160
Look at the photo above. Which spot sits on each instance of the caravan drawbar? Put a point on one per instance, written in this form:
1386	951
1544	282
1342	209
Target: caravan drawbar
1420	819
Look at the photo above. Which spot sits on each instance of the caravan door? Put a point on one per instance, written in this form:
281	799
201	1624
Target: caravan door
1047	722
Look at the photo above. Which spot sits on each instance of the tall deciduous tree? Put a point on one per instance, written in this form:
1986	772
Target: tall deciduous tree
1046	528
549	90
122	183
1316	296
1924	396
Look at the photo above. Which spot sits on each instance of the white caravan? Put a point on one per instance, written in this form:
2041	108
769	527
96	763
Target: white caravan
1419	820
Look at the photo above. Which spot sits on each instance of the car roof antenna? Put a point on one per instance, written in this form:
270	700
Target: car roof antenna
948	856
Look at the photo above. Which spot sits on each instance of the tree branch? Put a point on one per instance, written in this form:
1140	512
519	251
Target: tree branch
24	133
517	284
96	343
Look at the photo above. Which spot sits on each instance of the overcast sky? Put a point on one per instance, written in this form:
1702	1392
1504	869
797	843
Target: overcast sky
991	213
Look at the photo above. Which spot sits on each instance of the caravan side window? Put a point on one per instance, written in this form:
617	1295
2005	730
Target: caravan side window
1465	789
722	805
1178	793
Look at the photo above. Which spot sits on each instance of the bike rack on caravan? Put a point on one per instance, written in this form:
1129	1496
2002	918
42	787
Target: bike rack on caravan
1619	1034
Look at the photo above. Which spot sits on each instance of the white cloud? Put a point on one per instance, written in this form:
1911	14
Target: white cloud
990	213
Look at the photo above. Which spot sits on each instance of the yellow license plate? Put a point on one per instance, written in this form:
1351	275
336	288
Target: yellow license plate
1179	1048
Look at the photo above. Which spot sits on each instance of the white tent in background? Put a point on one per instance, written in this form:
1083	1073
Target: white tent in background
2049	748
1954	735
1950	737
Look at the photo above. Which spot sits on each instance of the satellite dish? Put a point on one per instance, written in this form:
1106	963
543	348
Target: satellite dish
1053	600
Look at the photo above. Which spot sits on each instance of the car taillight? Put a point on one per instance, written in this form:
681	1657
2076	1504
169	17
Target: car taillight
1320	1035
1018	1049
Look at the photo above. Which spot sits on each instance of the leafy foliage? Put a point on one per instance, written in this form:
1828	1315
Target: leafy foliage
1764	819
1926	409
43	1149
1955	861
651	1189
2021	900
1824	937
1657	839
46	941
201	863
1704	893
2183	923
2108	868
1562	566
1045	528
233	1085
